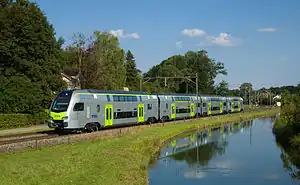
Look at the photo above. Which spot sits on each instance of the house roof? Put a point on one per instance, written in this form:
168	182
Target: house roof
70	71
71	78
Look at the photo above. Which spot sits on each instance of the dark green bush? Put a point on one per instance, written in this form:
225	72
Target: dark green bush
8	121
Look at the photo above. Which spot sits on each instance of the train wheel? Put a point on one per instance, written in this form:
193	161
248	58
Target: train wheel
92	127
151	120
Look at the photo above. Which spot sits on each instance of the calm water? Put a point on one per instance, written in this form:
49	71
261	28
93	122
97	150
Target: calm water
244	153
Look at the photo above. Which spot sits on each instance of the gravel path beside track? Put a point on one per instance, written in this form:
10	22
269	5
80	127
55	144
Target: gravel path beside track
23	130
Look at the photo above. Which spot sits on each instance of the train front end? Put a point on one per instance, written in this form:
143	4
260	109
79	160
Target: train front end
58	113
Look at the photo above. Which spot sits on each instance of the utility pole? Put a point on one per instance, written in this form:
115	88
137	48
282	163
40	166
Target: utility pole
197	88
245	93
165	79
141	81
249	95
255	97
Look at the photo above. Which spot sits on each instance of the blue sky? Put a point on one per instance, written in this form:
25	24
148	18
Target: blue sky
257	40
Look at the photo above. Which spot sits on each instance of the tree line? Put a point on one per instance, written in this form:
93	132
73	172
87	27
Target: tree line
32	60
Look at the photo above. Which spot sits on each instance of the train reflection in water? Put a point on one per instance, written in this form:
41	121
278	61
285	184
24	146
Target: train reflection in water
210	142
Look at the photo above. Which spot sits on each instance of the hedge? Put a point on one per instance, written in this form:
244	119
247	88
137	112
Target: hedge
8	121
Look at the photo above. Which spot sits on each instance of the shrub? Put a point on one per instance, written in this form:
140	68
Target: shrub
8	121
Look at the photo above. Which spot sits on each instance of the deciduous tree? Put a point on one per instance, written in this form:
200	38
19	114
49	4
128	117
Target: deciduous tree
30	58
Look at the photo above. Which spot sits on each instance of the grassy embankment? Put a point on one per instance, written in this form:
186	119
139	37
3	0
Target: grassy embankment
116	161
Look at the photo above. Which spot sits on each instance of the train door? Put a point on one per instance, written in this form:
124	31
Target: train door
232	106
80	115
208	108
108	115
173	111
199	111
141	117
192	114
239	106
221	107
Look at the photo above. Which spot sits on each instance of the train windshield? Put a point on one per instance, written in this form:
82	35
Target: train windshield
61	102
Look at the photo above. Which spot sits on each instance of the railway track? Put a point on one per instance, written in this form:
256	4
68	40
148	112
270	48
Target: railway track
19	138
12	140
50	135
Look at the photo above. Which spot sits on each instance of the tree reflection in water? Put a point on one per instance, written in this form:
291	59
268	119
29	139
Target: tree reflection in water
290	157
201	146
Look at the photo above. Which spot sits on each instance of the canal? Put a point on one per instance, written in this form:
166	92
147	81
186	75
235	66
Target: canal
240	153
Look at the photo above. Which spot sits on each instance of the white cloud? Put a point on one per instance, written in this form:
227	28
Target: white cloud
223	40
121	34
266	29
271	176
195	174
284	58
179	44
193	32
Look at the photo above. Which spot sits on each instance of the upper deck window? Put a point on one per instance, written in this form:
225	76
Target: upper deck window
120	98
184	98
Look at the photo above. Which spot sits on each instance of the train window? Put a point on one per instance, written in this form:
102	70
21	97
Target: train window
204	104
166	106
199	104
98	108
183	110
215	108
140	98
107	97
149	106
172	98
224	103
122	98
134	98
109	113
129	98
78	107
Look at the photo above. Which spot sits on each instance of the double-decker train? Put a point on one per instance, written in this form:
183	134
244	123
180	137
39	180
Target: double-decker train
91	110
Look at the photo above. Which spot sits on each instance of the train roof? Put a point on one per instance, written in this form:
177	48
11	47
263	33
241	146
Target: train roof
173	94
183	94
144	93
109	91
235	97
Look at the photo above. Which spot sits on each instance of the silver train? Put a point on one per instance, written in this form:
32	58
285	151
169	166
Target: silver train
91	110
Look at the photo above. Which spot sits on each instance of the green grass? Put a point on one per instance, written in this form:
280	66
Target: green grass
114	161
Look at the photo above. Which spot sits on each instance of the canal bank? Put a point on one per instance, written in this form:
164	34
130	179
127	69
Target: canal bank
120	160
288	138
